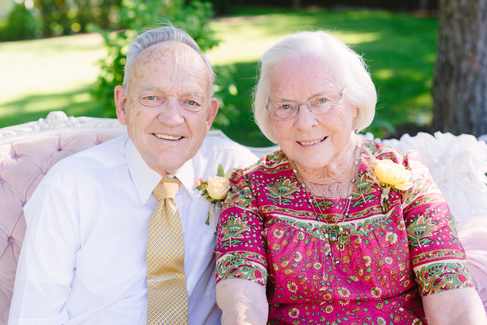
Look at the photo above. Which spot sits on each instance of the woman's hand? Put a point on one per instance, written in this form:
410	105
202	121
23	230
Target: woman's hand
242	302
460	306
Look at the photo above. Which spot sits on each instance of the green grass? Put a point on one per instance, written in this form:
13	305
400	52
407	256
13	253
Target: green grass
39	76
399	49
43	75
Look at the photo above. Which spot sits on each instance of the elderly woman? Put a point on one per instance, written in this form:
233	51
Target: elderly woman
333	229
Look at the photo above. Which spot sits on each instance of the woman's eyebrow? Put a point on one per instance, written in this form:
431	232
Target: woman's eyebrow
323	92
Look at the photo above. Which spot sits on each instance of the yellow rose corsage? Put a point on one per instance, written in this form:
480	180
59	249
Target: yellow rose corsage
392	174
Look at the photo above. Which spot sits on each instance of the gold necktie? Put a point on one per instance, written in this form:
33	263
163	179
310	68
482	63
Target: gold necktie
166	281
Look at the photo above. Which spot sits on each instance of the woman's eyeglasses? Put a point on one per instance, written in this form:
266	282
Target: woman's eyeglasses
318	105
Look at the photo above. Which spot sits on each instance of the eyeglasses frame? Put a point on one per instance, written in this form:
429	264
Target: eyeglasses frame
340	96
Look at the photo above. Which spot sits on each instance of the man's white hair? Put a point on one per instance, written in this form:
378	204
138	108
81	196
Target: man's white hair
348	68
158	35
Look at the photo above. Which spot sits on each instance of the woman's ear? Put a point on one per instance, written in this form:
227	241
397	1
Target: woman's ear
355	114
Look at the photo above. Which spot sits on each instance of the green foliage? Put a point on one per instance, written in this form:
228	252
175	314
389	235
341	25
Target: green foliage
221	7
21	24
225	91
55	20
135	16
400	49
3	29
65	17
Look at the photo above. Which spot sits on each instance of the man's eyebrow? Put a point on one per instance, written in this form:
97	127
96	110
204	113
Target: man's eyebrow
195	94
151	88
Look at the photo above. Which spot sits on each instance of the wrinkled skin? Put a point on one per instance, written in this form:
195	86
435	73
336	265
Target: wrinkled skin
167	136
326	165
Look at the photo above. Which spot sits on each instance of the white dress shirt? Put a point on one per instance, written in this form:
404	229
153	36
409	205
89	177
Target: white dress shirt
83	260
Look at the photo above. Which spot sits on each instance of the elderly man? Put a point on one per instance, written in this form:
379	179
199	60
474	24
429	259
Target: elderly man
116	234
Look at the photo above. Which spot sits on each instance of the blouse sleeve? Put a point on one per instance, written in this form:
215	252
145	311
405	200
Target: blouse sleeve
241	250
438	258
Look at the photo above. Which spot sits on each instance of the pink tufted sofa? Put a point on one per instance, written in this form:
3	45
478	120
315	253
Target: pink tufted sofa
28	151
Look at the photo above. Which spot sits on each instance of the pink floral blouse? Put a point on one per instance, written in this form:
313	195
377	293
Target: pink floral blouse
386	259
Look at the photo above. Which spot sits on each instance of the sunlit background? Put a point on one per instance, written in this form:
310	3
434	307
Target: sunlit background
59	73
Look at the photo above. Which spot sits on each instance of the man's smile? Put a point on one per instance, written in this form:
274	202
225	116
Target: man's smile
167	137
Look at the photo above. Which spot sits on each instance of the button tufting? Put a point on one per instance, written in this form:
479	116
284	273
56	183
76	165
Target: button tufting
59	149
11	239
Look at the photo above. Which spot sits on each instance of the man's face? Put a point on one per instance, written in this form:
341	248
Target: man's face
168	109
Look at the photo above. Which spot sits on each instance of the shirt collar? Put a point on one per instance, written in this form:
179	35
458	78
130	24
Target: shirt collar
145	179
186	175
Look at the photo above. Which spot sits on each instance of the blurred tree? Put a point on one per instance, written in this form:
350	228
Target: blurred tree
55	20
99	12
6	7
460	86
84	14
21	24
220	7
135	16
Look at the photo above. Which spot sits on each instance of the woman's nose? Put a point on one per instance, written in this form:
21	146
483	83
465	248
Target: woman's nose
305	118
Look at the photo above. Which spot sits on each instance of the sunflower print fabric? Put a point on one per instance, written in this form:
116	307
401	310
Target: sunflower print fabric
386	259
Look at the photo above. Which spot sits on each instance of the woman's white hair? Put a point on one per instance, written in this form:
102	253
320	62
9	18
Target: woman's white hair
158	35
348	68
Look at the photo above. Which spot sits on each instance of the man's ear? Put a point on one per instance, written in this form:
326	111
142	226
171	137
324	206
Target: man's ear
120	103
212	110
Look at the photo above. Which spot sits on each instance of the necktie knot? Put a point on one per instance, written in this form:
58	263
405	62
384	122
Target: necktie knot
167	188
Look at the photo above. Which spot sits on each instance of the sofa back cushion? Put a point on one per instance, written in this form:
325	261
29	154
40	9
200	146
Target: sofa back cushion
23	163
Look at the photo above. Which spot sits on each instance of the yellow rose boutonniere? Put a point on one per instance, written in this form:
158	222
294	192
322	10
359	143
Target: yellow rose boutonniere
218	187
392	174
214	190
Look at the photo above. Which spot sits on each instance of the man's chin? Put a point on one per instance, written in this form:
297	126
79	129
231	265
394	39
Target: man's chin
169	166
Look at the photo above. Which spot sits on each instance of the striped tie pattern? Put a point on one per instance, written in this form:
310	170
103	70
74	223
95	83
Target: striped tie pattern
166	280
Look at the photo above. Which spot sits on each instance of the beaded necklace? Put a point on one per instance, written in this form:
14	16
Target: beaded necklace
334	231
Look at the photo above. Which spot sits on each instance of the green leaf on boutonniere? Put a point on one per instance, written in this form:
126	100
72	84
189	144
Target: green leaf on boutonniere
229	173
220	172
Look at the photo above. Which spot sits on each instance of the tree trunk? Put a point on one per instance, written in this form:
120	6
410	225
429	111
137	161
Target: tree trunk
460	86
423	5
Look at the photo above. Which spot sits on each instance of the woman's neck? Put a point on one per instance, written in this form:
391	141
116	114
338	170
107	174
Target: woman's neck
334	179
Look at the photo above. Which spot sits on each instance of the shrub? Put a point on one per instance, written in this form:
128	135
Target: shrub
135	16
21	24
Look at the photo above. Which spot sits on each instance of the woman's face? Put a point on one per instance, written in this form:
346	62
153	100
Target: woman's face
311	141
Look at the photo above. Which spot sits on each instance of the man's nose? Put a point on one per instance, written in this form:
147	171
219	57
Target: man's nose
170	113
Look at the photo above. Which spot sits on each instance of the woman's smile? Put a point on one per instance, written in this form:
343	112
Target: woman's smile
311	142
